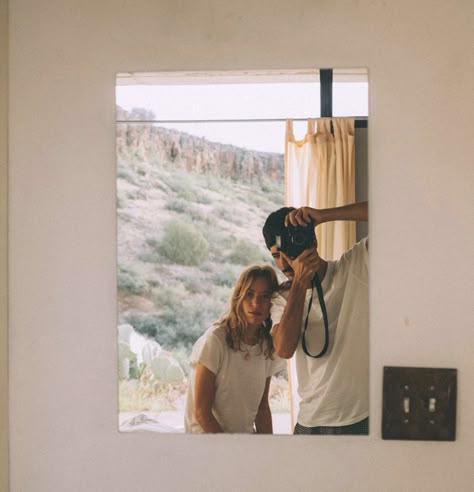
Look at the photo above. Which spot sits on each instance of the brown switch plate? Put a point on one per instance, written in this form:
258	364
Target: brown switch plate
419	403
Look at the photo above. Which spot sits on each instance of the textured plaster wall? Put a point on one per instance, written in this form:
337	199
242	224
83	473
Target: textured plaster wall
63	59
3	245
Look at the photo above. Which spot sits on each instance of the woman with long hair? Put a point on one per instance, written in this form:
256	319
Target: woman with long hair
233	362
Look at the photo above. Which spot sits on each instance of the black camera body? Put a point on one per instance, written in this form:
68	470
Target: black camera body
295	239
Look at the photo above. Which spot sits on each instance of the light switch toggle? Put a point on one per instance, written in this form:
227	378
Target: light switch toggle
406	404
432	405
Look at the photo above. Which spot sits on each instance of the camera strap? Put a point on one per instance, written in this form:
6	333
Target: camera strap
317	283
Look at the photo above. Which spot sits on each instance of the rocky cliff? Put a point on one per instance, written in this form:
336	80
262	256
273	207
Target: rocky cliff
158	145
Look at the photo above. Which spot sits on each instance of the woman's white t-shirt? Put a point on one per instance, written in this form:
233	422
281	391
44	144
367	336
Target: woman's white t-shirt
240	381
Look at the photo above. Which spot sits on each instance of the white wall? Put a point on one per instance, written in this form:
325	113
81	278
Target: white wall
3	246
63	58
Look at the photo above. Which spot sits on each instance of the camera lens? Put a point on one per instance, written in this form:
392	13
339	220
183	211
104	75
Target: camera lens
298	239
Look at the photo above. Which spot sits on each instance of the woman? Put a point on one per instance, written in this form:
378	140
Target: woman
232	363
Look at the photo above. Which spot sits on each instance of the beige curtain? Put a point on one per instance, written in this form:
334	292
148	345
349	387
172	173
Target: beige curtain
320	173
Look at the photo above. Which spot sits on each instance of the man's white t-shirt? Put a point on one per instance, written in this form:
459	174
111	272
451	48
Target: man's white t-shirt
334	389
240	381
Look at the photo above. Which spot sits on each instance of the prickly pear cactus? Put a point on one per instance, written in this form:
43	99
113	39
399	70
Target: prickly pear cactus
126	359
124	332
150	350
166	369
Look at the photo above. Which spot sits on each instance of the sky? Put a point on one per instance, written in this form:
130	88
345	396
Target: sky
242	101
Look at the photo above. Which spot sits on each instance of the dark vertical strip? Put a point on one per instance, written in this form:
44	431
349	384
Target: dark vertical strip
325	79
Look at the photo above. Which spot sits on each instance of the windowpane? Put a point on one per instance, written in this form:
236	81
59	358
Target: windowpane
350	99
223	101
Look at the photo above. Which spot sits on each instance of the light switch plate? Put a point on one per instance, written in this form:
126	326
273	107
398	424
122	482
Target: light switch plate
419	403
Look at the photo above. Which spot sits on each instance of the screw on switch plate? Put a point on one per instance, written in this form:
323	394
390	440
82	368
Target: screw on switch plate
419	403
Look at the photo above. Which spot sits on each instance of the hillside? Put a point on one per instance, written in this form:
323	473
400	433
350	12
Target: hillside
189	218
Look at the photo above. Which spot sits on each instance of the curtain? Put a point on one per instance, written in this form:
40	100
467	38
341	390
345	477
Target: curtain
320	173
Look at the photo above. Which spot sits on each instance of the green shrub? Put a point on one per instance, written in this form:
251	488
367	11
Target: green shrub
130	282
141	170
278	198
184	244
149	257
225	277
182	206
178	181
262	203
152	241
124	172
227	214
143	323
170	328
166	296
195	195
274	193
194	283
121	199
245	252
187	195
178	205
217	239
132	195
203	198
181	320
222	295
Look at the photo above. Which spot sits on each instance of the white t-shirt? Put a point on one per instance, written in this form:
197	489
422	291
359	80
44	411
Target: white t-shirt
240	381
334	389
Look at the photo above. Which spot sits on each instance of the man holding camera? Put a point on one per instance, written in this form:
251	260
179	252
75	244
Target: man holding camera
329	338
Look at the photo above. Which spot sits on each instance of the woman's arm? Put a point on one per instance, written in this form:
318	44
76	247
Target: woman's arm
204	394
263	419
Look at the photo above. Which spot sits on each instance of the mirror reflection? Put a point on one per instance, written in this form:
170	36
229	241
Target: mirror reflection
242	253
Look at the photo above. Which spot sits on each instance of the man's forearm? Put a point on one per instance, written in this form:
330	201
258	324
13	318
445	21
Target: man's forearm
305	215
355	211
286	334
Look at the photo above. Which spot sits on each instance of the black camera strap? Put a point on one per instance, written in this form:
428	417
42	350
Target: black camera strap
317	283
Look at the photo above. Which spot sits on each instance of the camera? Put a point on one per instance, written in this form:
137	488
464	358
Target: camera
295	239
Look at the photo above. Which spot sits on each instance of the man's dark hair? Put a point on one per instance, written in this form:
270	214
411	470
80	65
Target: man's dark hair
275	225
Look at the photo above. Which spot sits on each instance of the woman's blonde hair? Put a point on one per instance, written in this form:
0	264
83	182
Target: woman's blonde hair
233	320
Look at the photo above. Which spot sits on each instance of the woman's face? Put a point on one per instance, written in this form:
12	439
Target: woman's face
257	302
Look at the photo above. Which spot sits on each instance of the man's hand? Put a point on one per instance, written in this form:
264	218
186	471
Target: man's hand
304	266
304	216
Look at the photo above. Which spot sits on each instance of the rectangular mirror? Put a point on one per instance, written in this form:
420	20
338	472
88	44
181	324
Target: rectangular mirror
203	158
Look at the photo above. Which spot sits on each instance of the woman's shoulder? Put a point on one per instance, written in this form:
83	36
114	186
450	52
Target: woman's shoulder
214	334
217	330
211	341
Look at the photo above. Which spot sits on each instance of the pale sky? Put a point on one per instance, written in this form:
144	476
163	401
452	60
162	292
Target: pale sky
242	101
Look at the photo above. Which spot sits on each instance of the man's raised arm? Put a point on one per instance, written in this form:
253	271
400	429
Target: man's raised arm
304	215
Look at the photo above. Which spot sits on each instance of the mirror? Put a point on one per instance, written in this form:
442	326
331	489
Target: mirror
200	166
